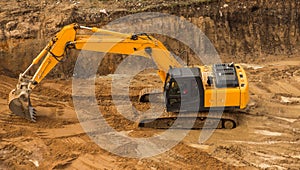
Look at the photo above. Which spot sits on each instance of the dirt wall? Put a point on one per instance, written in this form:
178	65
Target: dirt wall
238	29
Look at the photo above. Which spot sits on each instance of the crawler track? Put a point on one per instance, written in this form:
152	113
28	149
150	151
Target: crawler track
227	120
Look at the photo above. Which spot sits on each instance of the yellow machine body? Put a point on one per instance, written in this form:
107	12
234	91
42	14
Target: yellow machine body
225	96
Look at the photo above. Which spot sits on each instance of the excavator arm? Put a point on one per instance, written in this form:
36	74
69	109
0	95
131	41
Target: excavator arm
101	41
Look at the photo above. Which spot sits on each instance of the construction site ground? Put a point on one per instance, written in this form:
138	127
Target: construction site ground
267	137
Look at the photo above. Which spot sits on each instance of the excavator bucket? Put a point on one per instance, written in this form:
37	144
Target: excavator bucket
19	100
20	105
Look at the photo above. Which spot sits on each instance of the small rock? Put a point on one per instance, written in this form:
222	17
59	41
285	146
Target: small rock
15	34
220	12
35	162
252	104
103	11
11	25
289	74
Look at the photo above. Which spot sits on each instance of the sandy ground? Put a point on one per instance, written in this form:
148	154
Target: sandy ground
268	135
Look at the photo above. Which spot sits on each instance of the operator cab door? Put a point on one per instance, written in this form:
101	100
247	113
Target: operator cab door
184	94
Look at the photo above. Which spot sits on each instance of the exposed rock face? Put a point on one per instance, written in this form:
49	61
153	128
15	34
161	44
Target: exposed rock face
236	28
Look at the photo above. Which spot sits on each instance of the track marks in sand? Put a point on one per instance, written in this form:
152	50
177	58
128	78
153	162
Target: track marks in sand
65	131
96	161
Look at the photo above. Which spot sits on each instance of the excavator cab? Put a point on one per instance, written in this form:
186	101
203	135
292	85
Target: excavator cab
223	86
183	90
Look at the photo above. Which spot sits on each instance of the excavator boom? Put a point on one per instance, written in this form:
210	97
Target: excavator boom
100	40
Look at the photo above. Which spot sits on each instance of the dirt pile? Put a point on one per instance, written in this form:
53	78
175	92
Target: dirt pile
239	29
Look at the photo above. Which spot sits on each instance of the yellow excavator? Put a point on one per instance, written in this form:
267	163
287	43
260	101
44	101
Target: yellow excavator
221	86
